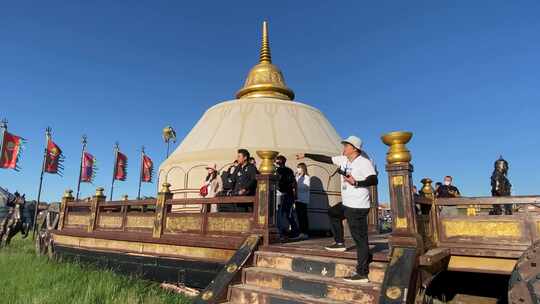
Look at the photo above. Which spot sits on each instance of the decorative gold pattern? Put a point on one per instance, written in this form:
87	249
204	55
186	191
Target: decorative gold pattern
110	221
225	224
263	201
396	255
398	152
183	223
504	266
492	228
393	292
207	295
145	248
401	222
232	268
397	180
265	79
76	220
133	221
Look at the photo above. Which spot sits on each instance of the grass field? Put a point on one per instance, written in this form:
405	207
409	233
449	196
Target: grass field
27	278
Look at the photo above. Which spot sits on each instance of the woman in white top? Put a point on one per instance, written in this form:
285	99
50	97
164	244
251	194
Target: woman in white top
303	197
214	185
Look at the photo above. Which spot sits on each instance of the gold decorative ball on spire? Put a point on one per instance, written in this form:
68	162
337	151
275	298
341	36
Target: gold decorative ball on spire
265	79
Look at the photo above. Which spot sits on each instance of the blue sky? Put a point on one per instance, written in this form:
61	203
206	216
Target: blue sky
462	75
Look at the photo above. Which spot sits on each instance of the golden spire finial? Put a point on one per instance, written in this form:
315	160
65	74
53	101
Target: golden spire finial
265	79
265	55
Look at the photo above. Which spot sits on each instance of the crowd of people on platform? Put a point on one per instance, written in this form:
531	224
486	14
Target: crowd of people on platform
357	172
239	179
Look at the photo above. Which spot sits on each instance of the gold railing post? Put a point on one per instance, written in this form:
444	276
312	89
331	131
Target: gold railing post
401	276
429	193
94	208
161	209
66	198
265	198
399	168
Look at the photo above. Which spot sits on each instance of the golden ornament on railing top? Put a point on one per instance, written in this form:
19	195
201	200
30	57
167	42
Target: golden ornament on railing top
68	193
165	188
267	161
100	191
397	153
427	188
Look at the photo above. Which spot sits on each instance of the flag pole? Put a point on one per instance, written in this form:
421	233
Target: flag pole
36	209
116	148
3	125
80	167
141	173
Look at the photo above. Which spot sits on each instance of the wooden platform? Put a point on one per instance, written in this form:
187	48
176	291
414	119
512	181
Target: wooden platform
378	244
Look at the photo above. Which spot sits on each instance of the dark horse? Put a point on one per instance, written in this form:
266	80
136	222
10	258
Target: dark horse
16	220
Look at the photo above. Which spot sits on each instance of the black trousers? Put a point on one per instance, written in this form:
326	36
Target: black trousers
357	220
302	215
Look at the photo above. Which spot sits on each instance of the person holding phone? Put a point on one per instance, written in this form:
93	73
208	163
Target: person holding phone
358	173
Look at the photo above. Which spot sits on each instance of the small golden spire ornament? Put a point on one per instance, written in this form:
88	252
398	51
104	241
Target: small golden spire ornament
265	79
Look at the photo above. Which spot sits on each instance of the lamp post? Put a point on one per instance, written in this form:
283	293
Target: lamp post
168	135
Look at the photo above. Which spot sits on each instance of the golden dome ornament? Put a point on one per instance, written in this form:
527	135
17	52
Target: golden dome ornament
265	79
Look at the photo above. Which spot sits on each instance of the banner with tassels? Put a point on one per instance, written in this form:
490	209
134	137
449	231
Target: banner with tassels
11	151
54	158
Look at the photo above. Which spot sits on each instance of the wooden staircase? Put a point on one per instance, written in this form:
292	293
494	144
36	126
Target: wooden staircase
279	278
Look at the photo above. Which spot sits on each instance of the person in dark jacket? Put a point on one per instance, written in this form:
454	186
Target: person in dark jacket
245	179
287	194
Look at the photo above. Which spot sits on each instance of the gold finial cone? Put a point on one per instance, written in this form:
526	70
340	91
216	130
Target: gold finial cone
397	153
265	79
267	163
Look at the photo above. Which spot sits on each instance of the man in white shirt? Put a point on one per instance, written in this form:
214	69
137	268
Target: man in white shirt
357	175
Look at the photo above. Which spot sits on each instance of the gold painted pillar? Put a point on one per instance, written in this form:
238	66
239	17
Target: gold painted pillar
399	168
66	198
164	195
265	201
94	208
429	193
373	217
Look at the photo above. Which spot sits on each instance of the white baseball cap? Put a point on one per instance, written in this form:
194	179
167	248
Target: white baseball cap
354	141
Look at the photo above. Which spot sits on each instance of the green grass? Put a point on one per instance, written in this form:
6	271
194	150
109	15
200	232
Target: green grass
29	279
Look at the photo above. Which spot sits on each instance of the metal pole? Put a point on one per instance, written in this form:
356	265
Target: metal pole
36	209
116	148
80	167
4	129
141	173
168	144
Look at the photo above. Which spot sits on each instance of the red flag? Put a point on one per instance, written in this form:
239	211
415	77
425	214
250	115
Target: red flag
11	150
147	169
120	171
53	159
88	168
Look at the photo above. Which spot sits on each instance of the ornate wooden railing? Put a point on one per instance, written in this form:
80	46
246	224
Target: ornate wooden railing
156	220
472	230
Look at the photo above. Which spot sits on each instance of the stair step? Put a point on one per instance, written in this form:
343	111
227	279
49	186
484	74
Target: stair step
323	266
312	285
248	294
